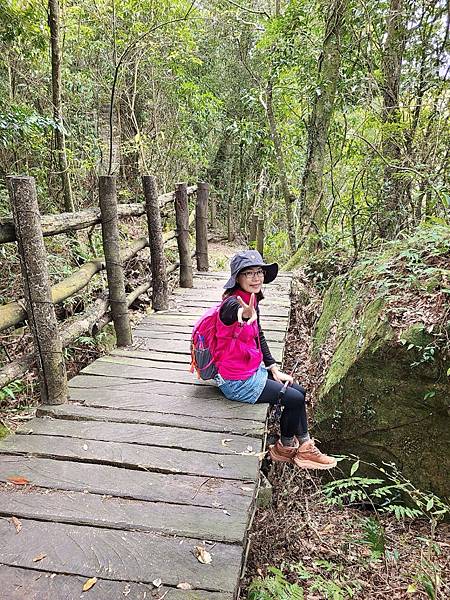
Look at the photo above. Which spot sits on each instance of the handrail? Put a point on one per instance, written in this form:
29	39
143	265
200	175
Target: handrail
96	315
14	312
73	221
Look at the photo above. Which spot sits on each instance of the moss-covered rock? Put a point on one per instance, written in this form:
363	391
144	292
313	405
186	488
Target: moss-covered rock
385	395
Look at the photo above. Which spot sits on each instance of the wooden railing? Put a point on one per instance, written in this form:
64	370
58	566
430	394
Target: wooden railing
27	228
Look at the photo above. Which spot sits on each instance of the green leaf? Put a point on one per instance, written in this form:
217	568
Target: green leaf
355	467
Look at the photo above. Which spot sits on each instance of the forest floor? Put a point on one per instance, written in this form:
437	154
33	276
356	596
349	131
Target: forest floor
301	546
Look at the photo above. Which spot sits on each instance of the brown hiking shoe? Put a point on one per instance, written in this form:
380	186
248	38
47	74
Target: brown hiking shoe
280	453
308	456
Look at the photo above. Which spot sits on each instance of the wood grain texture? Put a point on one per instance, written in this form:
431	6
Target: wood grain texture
80	508
77	412
149	435
152	458
35	585
118	555
119	482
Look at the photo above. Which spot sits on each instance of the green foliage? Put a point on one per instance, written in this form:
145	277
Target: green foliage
374	537
274	587
11	391
330	582
390	493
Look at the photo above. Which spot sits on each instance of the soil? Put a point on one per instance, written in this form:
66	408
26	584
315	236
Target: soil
330	551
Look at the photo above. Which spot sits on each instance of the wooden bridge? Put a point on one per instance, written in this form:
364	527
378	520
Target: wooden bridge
146	480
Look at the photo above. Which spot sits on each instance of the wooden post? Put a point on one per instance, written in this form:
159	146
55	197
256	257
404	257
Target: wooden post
260	236
114	268
182	221
160	300
38	296
201	226
253	228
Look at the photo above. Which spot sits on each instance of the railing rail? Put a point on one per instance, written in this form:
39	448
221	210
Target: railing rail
99	313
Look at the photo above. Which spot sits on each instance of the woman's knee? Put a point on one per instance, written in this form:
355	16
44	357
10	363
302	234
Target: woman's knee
294	397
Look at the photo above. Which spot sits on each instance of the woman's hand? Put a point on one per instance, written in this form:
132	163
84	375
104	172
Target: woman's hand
280	376
247	311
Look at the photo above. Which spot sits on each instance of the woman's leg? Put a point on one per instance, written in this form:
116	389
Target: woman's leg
293	420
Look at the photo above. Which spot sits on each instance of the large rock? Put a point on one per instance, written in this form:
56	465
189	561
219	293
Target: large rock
385	395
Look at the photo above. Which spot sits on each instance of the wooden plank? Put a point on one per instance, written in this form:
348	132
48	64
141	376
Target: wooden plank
143	361
38	585
147	435
143	340
150	388
119	482
152	458
182	359
177	318
118	555
147	329
201	422
79	508
93	390
142	372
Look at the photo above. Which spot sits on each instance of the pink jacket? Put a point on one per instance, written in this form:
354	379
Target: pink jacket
237	354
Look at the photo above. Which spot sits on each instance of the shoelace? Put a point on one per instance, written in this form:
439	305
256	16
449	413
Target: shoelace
313	449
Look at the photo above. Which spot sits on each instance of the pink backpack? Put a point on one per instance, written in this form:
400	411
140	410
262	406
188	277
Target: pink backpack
203	344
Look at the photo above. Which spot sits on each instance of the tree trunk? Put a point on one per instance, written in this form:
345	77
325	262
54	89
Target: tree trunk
36	284
391	202
160	299
114	264
289	198
312	205
60	138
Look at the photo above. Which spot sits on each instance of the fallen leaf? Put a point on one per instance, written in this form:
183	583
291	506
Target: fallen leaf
39	557
157	582
202	555
17	480
89	583
17	524
184	586
225	442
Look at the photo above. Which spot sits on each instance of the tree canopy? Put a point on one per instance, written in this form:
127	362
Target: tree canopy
326	117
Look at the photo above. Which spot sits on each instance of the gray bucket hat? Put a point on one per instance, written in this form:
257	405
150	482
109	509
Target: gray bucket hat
250	258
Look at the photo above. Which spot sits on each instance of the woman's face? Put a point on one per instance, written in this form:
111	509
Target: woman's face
251	279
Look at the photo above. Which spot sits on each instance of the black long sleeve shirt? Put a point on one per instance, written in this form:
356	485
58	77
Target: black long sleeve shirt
229	315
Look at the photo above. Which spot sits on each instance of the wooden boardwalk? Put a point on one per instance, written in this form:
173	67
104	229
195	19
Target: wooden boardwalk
145	465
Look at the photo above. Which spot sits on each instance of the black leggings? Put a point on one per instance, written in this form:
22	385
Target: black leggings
293	420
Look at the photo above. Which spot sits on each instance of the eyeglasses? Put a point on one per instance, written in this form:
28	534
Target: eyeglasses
253	274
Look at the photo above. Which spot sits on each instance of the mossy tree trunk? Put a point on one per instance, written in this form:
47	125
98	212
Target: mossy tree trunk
114	264
392	209
60	138
289	198
36	284
312	203
160	299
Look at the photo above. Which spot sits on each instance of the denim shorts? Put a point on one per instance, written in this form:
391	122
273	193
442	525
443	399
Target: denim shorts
243	390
